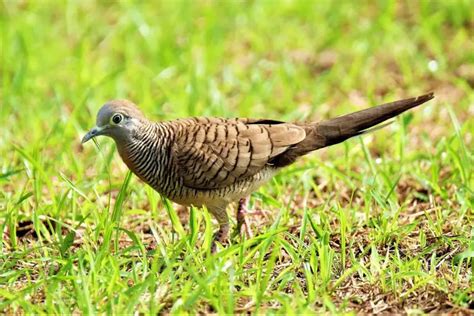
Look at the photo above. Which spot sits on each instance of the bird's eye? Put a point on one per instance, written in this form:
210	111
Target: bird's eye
117	118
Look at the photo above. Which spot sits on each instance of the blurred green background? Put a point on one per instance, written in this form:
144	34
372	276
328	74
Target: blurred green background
289	60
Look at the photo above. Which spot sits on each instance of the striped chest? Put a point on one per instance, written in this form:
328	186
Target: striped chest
147	155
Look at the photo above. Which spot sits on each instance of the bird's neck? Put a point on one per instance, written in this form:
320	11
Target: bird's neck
143	151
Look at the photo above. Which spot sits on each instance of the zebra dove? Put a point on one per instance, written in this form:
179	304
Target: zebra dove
212	162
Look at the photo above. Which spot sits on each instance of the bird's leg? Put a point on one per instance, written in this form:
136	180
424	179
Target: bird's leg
242	222
183	214
222	234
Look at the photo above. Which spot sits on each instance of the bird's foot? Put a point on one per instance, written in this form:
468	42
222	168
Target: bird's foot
221	236
243	225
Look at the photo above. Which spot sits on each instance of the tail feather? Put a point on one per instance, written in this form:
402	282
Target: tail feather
336	130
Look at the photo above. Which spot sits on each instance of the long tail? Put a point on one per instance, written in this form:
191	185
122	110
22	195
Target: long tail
334	131
339	129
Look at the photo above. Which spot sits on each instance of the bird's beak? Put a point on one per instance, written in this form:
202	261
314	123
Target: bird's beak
96	131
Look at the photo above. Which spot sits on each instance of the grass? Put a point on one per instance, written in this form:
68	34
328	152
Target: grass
379	223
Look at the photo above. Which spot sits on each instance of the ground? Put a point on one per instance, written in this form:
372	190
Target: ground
380	223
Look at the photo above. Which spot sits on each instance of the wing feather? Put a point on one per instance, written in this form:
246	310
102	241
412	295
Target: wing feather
214	153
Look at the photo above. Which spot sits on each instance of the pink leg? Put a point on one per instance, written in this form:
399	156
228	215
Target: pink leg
183	214
242	222
222	235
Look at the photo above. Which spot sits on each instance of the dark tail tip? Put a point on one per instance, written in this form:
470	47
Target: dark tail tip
423	98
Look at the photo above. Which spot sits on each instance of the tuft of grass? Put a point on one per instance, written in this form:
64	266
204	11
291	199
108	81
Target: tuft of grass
382	223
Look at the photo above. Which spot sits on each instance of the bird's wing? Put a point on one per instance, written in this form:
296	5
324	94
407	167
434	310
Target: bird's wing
214	153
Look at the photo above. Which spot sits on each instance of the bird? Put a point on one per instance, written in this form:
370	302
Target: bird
213	162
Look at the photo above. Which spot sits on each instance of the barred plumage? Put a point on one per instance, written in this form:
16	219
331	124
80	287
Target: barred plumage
214	161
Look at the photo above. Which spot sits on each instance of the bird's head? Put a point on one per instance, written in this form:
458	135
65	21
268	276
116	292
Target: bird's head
116	119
